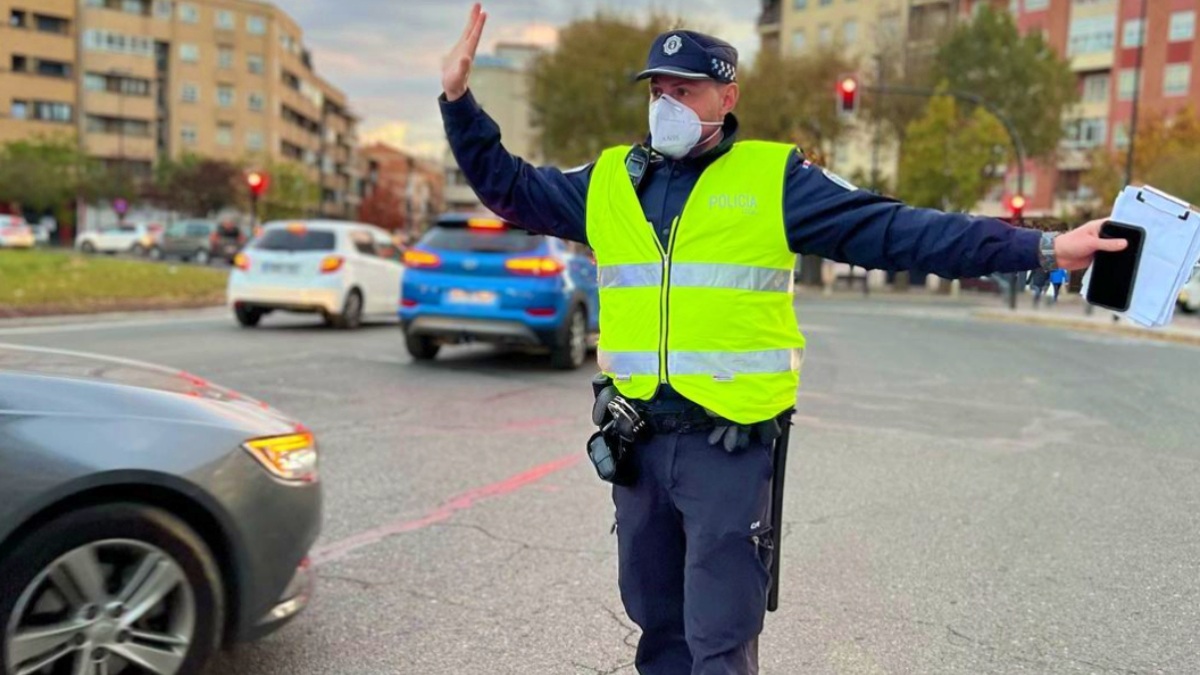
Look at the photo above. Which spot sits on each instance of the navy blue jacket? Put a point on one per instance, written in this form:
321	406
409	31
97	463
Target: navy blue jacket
822	216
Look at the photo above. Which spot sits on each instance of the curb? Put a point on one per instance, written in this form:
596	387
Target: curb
108	315
1122	329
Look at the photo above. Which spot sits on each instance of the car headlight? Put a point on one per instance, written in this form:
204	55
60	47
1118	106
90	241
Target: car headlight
292	457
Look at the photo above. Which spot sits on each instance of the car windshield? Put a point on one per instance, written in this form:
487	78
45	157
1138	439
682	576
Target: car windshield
458	238
281	239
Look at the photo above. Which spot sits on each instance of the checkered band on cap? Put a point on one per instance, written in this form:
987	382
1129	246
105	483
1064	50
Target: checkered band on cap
724	70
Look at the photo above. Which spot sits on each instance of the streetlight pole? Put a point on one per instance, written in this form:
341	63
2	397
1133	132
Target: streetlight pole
1137	91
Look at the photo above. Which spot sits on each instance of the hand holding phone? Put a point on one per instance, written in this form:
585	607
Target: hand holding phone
1114	273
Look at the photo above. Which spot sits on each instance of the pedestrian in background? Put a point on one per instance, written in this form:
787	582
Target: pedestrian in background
695	234
1039	279
1058	277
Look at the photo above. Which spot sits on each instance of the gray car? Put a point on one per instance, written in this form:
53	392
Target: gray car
187	240
147	516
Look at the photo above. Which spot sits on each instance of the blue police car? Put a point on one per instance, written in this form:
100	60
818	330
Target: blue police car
475	278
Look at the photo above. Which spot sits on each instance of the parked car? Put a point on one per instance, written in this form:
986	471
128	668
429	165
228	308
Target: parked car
1189	296
340	270
186	240
123	239
151	235
148	516
473	278
15	233
227	241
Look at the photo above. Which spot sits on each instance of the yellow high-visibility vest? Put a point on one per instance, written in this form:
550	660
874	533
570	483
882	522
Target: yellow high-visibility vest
712	314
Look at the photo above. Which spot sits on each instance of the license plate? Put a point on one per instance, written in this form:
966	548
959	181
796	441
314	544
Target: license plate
279	268
474	298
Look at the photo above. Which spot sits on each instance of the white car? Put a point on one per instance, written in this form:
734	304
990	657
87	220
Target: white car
14	233
110	239
340	270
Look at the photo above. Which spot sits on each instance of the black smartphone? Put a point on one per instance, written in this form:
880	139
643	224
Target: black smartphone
1114	273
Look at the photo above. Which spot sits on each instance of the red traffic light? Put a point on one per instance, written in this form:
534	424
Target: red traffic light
257	182
848	95
1016	204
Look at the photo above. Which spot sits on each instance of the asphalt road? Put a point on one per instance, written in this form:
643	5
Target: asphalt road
964	497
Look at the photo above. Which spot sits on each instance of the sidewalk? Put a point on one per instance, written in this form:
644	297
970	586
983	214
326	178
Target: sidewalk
1070	313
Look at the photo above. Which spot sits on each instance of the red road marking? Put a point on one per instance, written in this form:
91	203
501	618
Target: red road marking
340	549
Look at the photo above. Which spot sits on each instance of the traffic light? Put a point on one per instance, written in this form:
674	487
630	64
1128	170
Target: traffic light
1016	204
847	90
257	183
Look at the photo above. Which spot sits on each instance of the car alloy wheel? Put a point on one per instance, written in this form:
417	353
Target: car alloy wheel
108	607
87	247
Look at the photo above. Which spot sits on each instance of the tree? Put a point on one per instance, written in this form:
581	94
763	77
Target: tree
581	93
196	185
948	158
383	209
44	172
1020	75
291	194
1167	156
791	99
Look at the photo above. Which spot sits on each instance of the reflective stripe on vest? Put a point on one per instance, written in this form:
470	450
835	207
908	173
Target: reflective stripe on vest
698	275
719	365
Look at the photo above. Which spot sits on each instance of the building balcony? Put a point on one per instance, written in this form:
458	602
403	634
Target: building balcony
119	105
113	146
1093	61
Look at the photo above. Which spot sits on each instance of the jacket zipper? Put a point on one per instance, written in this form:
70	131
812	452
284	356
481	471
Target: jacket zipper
665	374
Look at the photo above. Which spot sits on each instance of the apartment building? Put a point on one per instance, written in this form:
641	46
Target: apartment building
143	80
1105	40
38	67
867	31
417	184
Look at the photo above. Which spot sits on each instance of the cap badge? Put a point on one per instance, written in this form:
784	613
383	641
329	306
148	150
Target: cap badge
672	46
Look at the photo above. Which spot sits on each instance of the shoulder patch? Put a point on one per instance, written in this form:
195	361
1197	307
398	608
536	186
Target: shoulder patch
839	181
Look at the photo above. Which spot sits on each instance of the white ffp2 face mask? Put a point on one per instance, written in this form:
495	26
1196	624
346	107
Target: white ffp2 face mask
675	128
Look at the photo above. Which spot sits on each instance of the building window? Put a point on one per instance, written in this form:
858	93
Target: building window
53	69
256	25
850	31
824	35
826	2
1177	79
188	13
1087	132
1121	136
45	111
18	63
799	40
255	101
19	110
1091	35
187	133
1133	33
225	96
1096	87
254	140
1036	5
139	7
1125	84
94	82
191	93
1183	26
224	57
799	4
225	20
51	24
189	53
162	9
254	63
16	19
224	135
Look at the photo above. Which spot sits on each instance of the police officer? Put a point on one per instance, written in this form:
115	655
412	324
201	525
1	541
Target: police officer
695	249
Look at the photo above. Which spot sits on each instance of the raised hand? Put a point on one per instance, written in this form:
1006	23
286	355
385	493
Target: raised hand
456	67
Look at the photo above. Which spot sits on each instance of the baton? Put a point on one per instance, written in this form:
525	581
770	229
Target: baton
777	479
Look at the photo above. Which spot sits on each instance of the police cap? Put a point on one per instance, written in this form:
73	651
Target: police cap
691	55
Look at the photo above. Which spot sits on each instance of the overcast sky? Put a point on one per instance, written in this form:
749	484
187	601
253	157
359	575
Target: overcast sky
386	54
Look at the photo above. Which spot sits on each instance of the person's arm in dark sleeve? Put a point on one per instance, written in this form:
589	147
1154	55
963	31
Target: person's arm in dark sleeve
543	200
827	217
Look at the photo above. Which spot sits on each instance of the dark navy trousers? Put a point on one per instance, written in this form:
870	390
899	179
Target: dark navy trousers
694	549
